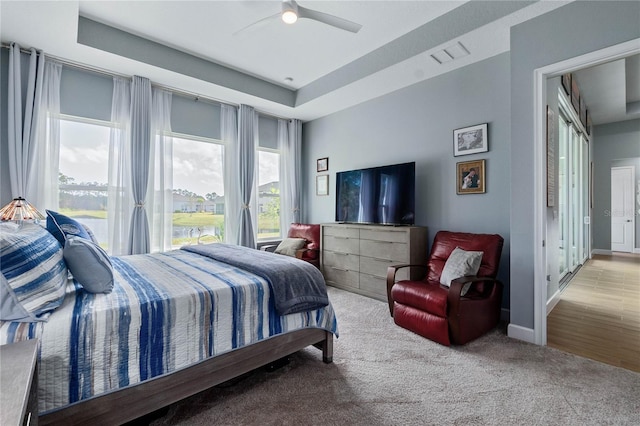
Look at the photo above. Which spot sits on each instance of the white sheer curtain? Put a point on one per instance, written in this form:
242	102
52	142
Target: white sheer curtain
159	200
229	133
42	187
120	197
289	144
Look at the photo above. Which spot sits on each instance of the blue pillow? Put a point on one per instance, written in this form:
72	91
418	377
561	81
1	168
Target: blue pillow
34	272
89	264
62	226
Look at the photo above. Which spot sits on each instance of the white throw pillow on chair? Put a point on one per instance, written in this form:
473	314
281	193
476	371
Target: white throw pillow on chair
459	264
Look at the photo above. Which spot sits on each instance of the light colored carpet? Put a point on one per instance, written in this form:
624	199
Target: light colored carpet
385	375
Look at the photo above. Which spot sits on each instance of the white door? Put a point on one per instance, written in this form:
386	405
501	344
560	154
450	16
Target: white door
622	218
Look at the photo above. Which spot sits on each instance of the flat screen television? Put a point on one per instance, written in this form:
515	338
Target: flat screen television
377	195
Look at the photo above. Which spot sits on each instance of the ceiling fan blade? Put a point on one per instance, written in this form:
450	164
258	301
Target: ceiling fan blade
332	20
259	23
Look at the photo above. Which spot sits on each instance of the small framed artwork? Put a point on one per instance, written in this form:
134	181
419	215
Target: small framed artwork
323	164
575	96
322	185
551	157
470	140
471	177
566	83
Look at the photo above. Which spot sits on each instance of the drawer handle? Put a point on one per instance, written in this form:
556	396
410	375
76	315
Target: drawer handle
339	269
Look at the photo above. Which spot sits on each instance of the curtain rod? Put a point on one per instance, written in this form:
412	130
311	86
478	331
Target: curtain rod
84	67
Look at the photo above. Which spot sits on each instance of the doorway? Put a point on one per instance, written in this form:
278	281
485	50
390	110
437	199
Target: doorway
622	209
541	270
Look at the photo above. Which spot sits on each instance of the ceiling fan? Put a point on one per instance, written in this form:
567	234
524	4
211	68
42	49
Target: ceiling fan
291	12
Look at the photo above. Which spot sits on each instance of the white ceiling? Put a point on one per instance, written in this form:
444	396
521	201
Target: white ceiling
330	69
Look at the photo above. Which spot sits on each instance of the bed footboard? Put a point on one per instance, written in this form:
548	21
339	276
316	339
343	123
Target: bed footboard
135	401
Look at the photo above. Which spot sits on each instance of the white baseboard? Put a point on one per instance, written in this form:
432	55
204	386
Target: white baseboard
551	303
521	333
601	251
610	252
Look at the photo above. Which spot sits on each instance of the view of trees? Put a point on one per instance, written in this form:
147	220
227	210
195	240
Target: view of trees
89	199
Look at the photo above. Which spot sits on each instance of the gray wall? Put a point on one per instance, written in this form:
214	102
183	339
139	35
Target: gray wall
416	124
615	144
567	32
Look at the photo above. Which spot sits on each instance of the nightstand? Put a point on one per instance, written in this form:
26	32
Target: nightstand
19	383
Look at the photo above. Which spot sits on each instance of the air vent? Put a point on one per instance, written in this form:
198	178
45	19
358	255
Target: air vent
450	53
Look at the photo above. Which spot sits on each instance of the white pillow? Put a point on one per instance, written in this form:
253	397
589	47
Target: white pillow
289	246
459	264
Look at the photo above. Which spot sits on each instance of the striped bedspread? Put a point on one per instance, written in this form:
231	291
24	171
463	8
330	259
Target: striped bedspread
166	311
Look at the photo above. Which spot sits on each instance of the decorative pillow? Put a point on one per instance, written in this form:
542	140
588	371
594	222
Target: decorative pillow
459	264
34	272
62	226
92	236
10	307
89	264
289	246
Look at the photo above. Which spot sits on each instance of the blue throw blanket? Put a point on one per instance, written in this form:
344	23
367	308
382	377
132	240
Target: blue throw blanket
297	285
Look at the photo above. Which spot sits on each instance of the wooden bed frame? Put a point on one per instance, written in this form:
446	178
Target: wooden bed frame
135	401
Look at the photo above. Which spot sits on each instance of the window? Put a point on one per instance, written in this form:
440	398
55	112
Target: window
268	194
198	194
83	174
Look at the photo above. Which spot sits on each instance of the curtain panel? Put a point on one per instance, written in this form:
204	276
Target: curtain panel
247	145
120	196
289	144
33	127
159	200
139	240
22	117
229	134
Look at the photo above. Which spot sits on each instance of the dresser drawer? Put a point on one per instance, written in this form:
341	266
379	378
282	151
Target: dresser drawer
341	231
336	260
384	235
341	244
375	285
341	276
398	252
378	267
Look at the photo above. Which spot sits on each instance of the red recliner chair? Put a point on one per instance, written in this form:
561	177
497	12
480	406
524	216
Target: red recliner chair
310	252
441	313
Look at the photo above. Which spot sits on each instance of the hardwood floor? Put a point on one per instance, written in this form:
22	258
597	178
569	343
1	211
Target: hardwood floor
598	315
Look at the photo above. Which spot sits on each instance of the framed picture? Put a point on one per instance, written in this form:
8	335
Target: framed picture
551	158
566	83
583	112
575	96
471	177
322	185
470	140
323	164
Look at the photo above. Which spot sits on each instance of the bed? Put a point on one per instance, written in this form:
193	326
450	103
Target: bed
174	324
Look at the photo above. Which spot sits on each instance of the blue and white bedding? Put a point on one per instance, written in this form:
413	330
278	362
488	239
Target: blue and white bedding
166	311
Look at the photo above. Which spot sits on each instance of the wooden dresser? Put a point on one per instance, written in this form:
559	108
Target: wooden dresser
355	257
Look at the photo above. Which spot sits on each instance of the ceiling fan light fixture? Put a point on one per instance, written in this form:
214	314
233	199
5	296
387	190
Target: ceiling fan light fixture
289	12
289	17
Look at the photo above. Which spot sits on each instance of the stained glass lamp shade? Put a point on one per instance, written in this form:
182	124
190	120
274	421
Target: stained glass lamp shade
19	210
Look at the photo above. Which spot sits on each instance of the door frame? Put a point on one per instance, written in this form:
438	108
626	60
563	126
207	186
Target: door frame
540	77
633	222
